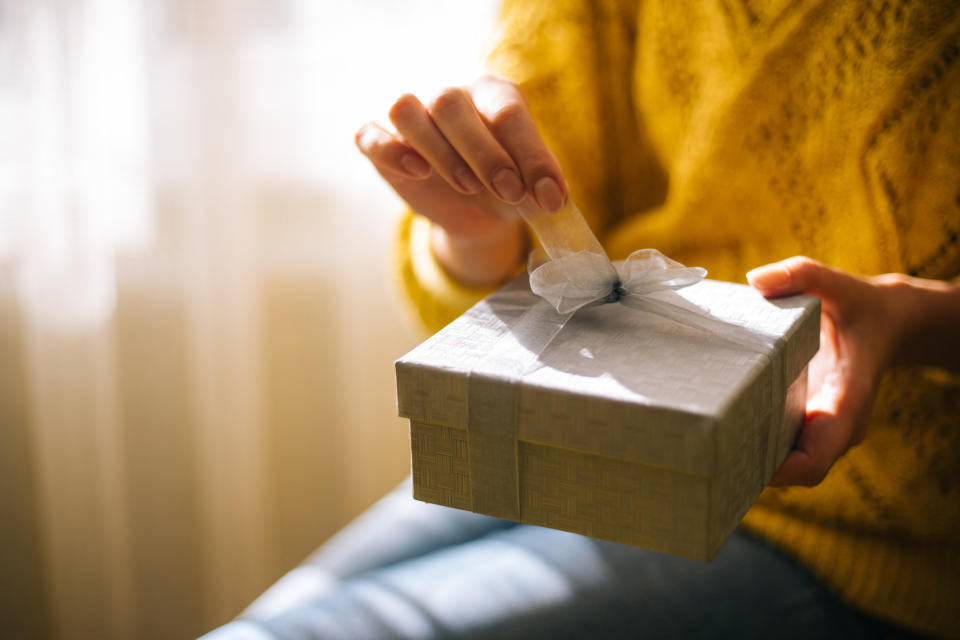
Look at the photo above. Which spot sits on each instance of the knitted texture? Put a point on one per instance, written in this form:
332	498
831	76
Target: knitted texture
730	134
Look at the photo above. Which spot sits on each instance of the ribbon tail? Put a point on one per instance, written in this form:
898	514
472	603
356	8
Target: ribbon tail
672	306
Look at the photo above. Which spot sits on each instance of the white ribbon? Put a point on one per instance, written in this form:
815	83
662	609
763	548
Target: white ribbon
645	281
572	271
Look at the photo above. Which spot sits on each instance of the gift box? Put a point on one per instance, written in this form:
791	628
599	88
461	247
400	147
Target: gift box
614	422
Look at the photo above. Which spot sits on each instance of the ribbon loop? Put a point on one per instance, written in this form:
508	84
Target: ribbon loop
573	281
647	270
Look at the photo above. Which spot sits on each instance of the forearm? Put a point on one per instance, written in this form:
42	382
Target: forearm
927	313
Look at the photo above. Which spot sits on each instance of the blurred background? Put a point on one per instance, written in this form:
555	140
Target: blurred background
197	318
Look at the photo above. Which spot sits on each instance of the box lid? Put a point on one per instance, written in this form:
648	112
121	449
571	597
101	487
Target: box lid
617	381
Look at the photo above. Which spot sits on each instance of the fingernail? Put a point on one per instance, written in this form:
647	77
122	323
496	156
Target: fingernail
548	194
466	179
508	185
416	166
768	278
365	137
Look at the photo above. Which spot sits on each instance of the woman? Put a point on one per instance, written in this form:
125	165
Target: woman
727	136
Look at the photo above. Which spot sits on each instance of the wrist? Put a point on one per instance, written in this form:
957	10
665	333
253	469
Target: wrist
923	317
480	261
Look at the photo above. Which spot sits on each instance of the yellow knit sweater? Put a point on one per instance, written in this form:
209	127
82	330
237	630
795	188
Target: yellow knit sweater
733	133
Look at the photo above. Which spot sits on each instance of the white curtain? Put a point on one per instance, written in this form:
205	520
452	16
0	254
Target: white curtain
197	323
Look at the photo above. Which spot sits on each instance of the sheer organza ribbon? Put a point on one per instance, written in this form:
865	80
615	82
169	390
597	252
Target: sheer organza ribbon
572	271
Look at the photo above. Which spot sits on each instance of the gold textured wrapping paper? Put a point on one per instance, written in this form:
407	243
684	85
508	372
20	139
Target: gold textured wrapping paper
623	402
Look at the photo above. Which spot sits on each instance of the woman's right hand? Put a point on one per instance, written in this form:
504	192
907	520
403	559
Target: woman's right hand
464	161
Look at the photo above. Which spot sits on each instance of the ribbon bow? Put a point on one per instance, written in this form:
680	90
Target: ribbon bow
584	278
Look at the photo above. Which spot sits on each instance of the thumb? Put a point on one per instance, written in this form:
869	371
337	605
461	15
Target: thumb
800	274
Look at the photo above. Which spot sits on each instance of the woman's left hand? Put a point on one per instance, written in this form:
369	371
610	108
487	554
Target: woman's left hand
867	323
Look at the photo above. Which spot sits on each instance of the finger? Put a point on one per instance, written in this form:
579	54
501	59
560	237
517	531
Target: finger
504	111
385	151
836	421
459	122
823	439
800	274
418	129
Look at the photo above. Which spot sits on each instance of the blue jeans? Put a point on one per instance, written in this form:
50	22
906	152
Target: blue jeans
406	569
